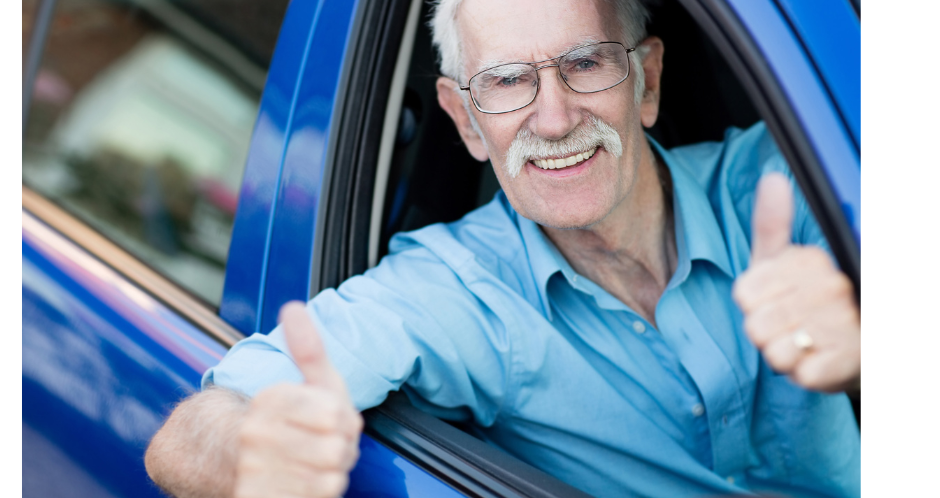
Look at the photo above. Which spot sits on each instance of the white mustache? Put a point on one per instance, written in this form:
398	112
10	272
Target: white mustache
592	133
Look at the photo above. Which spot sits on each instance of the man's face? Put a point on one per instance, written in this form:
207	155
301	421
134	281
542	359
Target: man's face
574	196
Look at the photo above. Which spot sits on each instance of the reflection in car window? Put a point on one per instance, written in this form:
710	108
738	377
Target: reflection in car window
140	123
30	8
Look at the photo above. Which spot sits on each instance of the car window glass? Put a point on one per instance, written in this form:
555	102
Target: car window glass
30	9
140	123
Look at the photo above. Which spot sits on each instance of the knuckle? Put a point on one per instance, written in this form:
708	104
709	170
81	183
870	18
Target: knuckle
251	433
841	286
358	422
741	291
818	257
759	325
333	484
331	414
774	360
809	378
332	451
753	328
353	450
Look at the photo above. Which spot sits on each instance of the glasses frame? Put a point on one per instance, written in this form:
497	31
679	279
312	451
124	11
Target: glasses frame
538	80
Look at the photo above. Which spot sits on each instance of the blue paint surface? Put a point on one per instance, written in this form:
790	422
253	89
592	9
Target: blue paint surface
809	99
291	251
382	472
832	33
104	364
254	220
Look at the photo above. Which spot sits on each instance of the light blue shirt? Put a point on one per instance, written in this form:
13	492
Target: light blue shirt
483	320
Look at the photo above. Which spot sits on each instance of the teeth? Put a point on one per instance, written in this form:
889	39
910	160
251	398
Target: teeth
565	161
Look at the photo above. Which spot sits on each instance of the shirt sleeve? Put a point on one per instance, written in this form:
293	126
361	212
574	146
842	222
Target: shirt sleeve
411	321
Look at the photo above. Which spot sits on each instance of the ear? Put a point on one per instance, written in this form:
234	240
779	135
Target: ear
653	70
452	103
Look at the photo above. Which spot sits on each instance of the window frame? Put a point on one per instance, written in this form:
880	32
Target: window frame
341	247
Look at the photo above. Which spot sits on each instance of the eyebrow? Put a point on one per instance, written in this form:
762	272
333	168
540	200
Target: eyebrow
491	63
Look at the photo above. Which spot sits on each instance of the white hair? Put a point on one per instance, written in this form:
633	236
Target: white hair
631	14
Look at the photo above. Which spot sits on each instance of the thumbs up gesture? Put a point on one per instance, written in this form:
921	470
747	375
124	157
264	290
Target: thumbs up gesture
799	309
299	440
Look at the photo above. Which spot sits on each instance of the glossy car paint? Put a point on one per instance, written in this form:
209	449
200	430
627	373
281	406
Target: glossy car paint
272	240
103	362
254	219
832	35
811	100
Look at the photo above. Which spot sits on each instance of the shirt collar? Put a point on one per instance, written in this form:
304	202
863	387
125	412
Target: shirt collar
698	237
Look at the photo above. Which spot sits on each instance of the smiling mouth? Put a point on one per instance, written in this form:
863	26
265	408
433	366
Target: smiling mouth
564	162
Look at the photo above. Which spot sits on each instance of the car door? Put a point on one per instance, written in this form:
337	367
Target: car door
136	118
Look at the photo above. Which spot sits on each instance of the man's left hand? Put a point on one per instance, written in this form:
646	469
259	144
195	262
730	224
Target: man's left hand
799	309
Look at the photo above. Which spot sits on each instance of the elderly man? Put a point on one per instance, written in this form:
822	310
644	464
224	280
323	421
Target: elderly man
583	319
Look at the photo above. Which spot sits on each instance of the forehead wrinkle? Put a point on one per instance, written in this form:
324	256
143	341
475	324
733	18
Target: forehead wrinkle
491	63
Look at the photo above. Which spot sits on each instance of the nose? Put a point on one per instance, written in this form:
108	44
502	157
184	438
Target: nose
555	116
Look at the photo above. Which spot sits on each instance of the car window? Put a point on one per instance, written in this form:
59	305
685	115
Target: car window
30	9
701	99
140	121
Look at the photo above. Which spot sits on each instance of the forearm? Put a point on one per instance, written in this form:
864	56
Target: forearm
194	454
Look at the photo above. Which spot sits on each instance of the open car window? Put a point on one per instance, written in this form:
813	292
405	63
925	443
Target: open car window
432	178
139	123
428	177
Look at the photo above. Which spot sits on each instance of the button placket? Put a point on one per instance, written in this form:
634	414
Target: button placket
714	377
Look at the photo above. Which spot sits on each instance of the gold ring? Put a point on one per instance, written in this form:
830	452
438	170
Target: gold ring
802	340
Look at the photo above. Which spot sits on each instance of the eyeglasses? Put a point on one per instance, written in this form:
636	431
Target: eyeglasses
586	69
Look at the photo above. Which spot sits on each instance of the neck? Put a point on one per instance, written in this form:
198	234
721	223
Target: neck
631	253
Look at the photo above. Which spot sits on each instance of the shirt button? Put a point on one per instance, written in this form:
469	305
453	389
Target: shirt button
724	420
698	410
730	479
639	327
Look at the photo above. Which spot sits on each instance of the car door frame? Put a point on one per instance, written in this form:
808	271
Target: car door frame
782	77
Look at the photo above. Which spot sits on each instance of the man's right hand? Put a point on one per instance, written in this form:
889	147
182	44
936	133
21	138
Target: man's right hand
299	440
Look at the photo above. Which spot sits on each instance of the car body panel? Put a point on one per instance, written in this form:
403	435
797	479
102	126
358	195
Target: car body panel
244	289
104	363
291	248
809	96
831	32
272	239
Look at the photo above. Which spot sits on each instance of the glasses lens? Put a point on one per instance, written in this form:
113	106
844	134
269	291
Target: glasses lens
595	67
504	88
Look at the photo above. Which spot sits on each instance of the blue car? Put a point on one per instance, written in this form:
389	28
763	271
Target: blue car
190	166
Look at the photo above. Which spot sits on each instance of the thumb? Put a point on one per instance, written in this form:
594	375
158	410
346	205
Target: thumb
307	349
773	217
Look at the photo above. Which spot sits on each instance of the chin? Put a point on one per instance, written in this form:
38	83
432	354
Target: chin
568	219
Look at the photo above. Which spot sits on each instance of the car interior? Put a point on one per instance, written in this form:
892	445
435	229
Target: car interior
428	177
432	178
